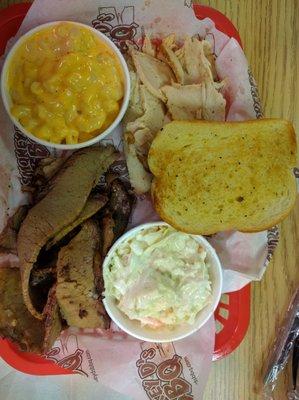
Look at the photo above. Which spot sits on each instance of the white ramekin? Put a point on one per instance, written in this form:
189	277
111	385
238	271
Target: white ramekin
134	327
7	100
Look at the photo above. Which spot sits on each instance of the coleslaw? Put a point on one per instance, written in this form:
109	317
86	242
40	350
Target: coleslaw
159	277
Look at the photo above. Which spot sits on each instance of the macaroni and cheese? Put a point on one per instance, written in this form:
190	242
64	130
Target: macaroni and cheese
66	85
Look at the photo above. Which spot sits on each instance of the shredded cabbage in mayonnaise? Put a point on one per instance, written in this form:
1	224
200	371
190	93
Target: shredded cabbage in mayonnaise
159	277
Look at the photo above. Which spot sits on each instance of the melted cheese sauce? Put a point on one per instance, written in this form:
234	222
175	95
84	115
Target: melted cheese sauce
65	84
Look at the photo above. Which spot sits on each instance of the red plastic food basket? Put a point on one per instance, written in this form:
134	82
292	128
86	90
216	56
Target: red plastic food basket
233	313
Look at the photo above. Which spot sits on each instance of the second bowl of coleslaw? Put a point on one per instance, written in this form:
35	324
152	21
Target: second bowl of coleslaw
65	85
161	285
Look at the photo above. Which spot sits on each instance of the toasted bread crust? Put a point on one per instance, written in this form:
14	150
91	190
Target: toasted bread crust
167	187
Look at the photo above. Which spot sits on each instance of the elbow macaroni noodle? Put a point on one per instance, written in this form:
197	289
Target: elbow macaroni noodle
65	84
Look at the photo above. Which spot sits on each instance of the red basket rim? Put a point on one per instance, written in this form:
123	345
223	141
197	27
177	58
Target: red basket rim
233	334
220	20
10	19
13	11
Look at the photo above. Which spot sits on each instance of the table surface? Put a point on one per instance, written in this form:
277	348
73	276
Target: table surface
269	31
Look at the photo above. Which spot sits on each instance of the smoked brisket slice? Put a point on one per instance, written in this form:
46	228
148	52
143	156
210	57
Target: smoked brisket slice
78	299
59	208
16	322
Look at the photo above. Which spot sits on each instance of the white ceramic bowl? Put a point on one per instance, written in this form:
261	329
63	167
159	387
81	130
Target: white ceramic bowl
7	100
134	327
